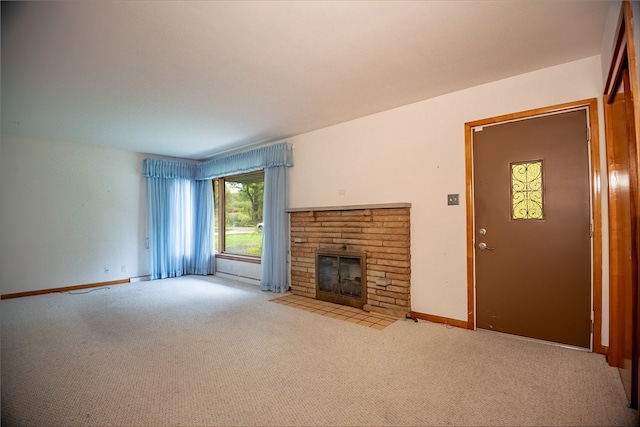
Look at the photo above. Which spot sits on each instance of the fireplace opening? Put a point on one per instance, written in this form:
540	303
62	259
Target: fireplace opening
341	277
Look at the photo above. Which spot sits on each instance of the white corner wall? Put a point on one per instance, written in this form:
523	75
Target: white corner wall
416	154
67	212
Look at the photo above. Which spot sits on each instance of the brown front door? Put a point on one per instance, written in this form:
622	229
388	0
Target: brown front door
532	228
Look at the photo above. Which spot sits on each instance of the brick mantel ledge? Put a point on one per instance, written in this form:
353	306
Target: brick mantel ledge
351	207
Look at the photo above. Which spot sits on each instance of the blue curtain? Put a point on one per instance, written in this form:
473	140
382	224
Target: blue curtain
181	217
203	243
275	235
180	227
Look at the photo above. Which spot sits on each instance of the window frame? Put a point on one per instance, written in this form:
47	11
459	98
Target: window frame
220	251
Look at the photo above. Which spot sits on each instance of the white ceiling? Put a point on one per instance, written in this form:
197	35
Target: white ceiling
193	79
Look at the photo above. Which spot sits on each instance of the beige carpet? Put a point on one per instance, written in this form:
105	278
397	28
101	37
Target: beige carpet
206	351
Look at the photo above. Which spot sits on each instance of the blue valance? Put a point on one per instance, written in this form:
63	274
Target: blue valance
157	168
260	158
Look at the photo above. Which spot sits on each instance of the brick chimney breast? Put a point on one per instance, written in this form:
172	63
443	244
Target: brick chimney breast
382	232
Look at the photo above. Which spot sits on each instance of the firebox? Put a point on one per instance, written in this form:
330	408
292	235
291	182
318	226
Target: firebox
341	277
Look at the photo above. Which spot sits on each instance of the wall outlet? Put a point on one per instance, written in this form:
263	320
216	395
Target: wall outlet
106	270
453	199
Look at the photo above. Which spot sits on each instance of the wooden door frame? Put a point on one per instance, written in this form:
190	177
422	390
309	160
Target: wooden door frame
591	105
624	52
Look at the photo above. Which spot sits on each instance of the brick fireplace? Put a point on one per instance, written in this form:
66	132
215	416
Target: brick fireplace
380	232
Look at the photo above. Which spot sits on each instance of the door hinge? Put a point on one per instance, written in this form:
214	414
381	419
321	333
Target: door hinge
591	326
591	230
588	134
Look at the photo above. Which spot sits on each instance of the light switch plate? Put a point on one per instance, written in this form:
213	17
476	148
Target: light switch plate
453	199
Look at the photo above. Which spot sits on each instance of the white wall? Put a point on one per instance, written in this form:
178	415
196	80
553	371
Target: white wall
67	212
239	270
416	154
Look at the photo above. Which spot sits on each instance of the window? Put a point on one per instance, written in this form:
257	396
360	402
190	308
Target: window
238	214
526	191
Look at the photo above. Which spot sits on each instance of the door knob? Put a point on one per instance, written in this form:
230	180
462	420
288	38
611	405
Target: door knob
483	246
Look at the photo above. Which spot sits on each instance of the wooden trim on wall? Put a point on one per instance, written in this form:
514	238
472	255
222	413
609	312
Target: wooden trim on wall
440	319
64	289
596	205
596	244
624	48
471	298
624	300
237	257
615	335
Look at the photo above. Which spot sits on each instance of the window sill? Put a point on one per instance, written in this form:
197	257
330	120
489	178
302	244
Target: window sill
243	258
